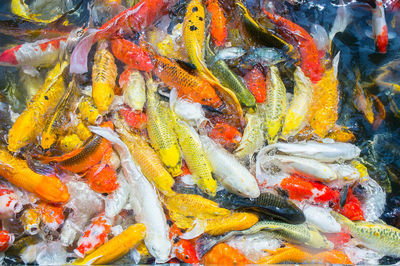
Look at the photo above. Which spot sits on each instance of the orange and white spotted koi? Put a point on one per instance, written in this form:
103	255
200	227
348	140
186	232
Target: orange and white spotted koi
379	27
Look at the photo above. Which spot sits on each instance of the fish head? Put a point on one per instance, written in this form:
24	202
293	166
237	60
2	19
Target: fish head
158	247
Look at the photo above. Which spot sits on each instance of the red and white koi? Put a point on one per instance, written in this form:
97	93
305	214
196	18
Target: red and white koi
94	236
9	203
6	240
380	30
32	55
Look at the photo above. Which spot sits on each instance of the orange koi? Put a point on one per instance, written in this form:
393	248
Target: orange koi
188	86
341	134
183	249
226	135
255	81
310	61
131	54
17	172
6	240
135	119
219	31
352	207
94	236
102	178
223	254
81	159
52	216
381	112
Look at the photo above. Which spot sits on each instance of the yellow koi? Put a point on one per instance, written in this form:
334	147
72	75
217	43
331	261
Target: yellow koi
160	128
31	122
148	160
31	220
275	105
104	74
69	143
234	222
88	112
296	115
21	9
116	247
324	107
195	158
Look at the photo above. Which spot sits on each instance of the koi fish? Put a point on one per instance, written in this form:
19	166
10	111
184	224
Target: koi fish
351	208
17	172
31	122
131	54
116	247
183	249
6	240
256	83
94	236
219	31
30	220
298	255
233	222
133	88
102	178
275	106
324	108
88	112
136	120
69	143
301	189
296	116
28	56
160	129
51	216
226	135
104	74
85	157
380	30
310	61
380	237
9	203
226	255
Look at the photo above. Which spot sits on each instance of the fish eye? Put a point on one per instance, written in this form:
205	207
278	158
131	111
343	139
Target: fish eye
187	257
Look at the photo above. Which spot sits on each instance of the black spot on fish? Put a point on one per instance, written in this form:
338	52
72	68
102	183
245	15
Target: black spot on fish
195	9
46	98
200	18
193	28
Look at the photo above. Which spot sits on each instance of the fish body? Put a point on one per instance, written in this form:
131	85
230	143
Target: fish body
195	157
342	19
183	249
104	74
321	218
6	240
28	56
376	236
275	105
32	120
88	111
301	189
229	53
233	222
195	206
255	81
310	61
17	172
69	143
253	136
219	31
94	236
230	80
116	247
51	215
268	204
102	178
296	116
131	54
380	30
10	203
31	221
265	55
228	170
149	162
323	152
160	128
363	102
225	255
134	89
324	107
55	123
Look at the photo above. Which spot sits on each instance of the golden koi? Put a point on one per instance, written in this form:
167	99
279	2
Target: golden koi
234	222
88	112
160	128
275	105
31	122
296	115
104	74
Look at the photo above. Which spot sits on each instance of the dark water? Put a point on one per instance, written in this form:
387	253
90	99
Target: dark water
380	147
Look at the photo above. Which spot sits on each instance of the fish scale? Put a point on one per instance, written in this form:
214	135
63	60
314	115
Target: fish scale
162	136
275	105
195	158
